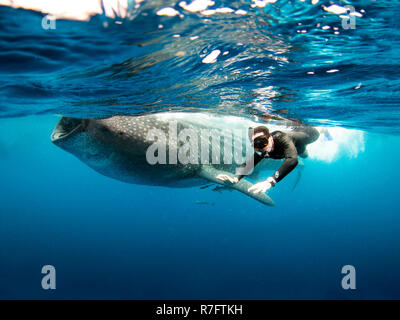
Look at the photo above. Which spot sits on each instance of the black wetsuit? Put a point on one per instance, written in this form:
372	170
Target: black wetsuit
287	145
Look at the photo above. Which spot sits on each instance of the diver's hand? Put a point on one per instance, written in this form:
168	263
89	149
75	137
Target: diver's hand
225	177
262	187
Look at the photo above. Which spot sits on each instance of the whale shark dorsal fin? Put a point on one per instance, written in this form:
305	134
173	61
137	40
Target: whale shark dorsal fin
209	172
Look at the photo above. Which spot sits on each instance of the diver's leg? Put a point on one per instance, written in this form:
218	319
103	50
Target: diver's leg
302	136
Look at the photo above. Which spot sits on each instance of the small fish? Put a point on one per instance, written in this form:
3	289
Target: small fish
206	186
205	202
219	189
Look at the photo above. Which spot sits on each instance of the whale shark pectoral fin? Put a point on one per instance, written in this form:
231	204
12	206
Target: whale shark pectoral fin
209	173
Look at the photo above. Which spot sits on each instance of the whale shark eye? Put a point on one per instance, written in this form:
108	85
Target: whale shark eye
104	129
85	124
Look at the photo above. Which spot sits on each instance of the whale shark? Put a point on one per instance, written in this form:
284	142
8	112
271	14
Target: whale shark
147	149
118	147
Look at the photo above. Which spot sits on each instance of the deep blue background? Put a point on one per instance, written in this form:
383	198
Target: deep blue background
108	239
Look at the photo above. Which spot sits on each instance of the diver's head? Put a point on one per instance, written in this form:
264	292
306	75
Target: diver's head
260	138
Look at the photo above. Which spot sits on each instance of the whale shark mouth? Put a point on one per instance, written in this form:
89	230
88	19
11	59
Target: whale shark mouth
65	128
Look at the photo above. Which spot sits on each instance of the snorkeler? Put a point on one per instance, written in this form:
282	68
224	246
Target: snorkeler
275	145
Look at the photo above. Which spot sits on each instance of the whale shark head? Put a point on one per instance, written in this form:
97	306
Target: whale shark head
100	144
70	134
67	128
80	137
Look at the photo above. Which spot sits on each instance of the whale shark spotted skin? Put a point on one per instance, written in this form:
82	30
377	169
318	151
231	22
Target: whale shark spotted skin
117	147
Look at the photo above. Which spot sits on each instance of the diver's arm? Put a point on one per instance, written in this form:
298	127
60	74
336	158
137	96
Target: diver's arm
288	165
291	161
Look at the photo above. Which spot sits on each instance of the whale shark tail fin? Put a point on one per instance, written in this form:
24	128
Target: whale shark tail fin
208	172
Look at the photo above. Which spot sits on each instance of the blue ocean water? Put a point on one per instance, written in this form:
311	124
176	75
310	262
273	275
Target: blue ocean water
108	239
